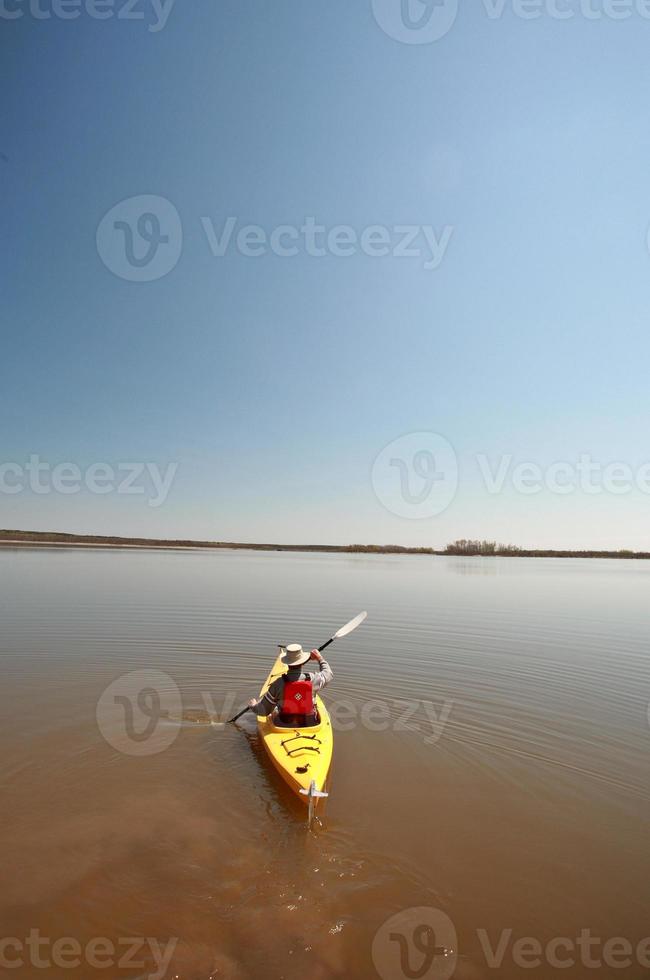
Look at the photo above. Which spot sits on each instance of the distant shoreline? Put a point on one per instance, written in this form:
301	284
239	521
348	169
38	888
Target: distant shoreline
58	539
12	538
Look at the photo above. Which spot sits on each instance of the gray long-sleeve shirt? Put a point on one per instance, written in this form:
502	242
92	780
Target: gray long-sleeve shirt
319	678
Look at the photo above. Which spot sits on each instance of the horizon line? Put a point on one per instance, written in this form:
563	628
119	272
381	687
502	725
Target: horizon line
455	549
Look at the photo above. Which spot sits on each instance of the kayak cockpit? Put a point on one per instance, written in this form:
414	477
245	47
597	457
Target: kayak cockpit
278	721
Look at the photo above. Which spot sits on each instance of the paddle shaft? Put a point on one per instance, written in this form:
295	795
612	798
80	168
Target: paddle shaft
242	712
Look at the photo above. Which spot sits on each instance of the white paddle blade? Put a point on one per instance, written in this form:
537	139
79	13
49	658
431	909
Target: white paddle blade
352	625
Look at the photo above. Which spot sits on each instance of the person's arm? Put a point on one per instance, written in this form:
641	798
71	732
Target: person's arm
263	707
324	675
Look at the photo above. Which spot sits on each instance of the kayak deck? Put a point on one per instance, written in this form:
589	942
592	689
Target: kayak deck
300	755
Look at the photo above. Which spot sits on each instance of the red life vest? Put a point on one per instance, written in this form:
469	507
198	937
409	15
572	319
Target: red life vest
297	698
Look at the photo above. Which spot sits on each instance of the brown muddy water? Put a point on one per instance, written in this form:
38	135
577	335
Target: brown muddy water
489	787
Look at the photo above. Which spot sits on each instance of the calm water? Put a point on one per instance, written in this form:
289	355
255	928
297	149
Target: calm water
501	777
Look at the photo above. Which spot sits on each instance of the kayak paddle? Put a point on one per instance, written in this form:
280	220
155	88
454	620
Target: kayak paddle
352	625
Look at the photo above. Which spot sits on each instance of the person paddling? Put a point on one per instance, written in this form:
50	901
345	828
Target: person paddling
292	694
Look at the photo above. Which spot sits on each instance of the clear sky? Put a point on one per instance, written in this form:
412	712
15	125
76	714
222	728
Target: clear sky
274	381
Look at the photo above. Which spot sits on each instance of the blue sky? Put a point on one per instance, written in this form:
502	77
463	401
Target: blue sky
274	382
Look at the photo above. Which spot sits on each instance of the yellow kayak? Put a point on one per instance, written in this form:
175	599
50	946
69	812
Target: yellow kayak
302	756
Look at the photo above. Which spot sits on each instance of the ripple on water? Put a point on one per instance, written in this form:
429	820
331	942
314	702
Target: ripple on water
540	765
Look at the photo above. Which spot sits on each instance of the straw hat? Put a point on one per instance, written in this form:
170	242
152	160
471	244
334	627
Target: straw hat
294	655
